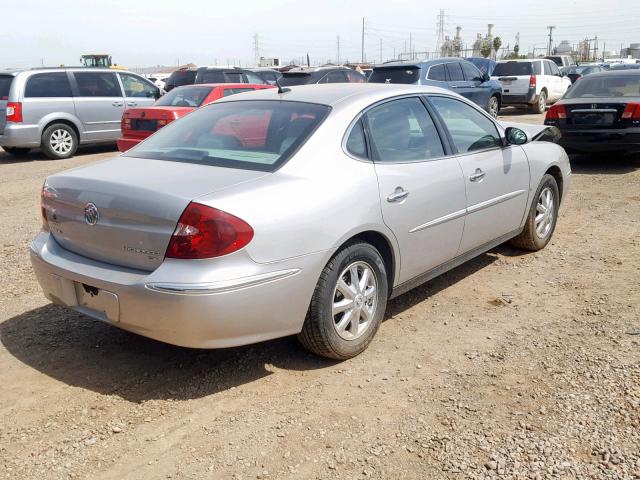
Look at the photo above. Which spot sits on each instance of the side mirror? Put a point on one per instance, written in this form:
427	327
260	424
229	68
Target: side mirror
156	93
515	136
485	77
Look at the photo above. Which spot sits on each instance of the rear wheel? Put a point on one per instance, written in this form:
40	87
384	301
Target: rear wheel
493	107
541	105
59	141
348	303
542	217
16	151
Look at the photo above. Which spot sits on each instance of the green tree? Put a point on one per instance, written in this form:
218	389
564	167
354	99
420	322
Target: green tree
497	43
485	48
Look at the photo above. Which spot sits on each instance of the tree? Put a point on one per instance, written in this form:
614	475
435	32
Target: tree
485	48
516	49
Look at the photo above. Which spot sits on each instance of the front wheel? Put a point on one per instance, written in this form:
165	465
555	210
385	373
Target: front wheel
493	107
348	303
542	217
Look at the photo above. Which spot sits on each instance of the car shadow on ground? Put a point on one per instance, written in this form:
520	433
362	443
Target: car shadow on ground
604	163
89	354
36	155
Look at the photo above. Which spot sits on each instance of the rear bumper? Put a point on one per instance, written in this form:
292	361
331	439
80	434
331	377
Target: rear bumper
527	99
125	144
242	302
20	135
627	140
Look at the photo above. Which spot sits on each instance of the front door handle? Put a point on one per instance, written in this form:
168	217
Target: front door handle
477	176
398	195
117	104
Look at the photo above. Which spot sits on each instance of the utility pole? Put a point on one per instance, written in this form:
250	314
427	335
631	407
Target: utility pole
550	27
338	50
381	51
256	49
410	46
362	46
595	49
440	30
604	49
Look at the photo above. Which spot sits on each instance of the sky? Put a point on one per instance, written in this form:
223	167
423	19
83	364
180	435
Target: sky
143	33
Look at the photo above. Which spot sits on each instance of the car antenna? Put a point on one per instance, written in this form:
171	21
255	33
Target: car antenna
280	89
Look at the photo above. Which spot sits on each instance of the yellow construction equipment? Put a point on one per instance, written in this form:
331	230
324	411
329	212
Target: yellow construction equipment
102	60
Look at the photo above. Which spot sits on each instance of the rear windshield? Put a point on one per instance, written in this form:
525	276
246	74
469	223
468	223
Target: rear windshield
190	96
513	69
291	79
252	135
408	75
5	85
184	77
605	86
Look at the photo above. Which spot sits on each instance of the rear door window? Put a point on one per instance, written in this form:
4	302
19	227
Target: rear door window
211	76
537	68
437	73
407	75
455	72
97	84
48	85
234	77
233	91
5	85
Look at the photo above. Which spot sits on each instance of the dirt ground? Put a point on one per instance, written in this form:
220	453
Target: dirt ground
514	365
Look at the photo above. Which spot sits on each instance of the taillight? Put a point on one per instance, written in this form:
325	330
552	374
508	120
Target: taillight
161	123
46	192
631	111
533	81
556	112
125	124
205	232
14	112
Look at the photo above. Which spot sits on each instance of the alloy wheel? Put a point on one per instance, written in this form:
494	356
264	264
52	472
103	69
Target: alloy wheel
493	107
545	213
61	141
355	299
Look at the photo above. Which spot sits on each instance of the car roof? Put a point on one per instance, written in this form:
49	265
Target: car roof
518	60
324	68
421	63
338	94
75	69
226	85
616	73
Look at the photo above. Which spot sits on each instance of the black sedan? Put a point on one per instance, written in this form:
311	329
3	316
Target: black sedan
600	113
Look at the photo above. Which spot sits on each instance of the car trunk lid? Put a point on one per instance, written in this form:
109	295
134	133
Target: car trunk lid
124	211
600	113
142	122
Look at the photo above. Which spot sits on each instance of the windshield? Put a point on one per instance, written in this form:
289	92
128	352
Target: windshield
184	97
512	69
252	135
408	75
606	86
5	85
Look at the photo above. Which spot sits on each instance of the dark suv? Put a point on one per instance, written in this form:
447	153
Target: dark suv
190	76
309	75
454	74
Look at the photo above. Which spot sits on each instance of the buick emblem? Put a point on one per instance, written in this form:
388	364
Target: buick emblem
91	214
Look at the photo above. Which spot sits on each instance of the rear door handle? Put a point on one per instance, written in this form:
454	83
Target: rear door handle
477	176
132	104
398	195
117	104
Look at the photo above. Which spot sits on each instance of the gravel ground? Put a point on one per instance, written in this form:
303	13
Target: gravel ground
515	365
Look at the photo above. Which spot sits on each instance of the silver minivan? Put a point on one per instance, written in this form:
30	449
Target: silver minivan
58	109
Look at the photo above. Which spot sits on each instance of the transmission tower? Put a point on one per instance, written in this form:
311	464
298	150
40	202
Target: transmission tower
338	50
550	27
256	49
440	30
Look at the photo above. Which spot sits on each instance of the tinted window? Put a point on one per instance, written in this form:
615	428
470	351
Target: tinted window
97	84
211	76
471	73
48	85
408	75
253	78
235	77
607	85
469	129
136	87
181	77
402	130
296	78
5	85
233	91
191	96
553	69
437	73
335	77
455	72
537	68
513	69
356	143
253	135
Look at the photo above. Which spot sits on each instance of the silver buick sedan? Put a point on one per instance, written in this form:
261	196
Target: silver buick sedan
293	211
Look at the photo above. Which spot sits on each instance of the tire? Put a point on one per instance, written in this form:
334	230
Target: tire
59	141
16	151
493	107
531	237
541	105
335	336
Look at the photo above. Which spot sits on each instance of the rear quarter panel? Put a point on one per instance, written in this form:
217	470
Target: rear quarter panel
543	156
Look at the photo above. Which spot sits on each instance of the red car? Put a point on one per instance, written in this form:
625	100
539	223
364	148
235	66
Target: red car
139	123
